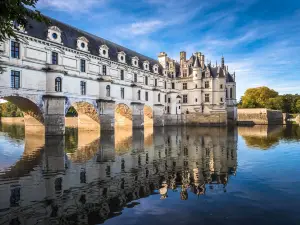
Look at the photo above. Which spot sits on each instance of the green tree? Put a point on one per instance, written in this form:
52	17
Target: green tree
275	103
16	11
297	106
257	97
8	109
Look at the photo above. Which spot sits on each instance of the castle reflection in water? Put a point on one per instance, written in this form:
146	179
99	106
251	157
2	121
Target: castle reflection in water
87	179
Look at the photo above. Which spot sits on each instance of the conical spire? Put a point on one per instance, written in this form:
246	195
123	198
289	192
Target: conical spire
196	63
222	62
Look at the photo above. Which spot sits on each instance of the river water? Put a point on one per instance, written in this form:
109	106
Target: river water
171	175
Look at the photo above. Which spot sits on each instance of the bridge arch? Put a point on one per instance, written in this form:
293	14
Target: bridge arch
123	116
32	108
86	116
148	116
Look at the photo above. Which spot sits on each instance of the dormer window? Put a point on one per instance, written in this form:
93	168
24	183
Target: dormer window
54	34
146	65
135	61
103	51
121	57
155	68
82	44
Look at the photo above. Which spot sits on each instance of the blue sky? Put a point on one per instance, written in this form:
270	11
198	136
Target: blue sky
258	38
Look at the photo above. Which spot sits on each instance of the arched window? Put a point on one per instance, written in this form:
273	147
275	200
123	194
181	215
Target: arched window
107	91
139	94
58	84
158	97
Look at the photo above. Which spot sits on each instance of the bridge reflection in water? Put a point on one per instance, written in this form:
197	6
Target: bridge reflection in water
85	178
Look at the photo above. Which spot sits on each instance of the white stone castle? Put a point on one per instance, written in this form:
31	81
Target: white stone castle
50	68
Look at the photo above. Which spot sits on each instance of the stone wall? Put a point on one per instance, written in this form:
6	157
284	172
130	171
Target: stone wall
259	116
197	119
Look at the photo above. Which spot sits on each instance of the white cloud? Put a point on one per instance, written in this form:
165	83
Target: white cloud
143	28
71	6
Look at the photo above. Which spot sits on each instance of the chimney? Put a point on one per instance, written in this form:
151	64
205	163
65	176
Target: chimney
202	61
162	58
182	57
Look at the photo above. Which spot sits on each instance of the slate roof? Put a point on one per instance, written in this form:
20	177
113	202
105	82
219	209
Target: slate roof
70	35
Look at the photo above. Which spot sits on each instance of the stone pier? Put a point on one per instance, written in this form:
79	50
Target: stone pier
54	115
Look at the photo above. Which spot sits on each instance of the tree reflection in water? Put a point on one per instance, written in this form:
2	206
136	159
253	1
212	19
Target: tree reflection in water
266	137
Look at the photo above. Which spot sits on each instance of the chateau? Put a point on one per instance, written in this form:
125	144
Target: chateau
48	69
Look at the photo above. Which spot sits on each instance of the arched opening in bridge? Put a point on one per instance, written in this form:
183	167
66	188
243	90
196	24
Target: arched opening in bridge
123	116
148	116
22	110
123	128
84	116
148	126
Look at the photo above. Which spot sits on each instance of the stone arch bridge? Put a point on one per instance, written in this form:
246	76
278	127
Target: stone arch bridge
46	113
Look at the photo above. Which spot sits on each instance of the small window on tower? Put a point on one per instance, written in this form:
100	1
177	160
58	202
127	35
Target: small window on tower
206	84
206	97
185	99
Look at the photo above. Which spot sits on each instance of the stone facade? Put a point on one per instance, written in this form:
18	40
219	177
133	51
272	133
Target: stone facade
65	67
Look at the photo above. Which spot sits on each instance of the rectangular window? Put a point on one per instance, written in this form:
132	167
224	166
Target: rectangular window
185	99
135	77
221	100
122	75
146	96
206	98
54	58
82	65
221	86
104	70
15	79
146	80
231	92
15	49
122	93
165	84
83	87
173	85
169	100
165	98
184	73
184	86
206	84
155	82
